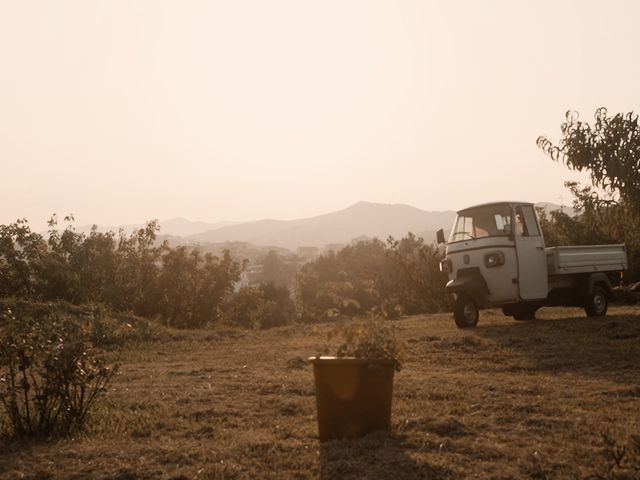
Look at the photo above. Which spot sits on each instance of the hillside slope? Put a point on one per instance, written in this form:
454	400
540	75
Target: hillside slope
176	227
361	219
505	400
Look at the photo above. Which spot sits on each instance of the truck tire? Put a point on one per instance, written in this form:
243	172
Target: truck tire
465	311
597	302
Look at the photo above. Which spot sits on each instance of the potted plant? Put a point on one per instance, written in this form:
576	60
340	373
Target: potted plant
354	387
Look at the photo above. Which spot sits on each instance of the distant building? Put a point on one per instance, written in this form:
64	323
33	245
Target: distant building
307	253
333	247
255	274
252	276
362	238
242	283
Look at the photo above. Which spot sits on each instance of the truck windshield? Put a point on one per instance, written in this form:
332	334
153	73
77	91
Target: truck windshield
490	221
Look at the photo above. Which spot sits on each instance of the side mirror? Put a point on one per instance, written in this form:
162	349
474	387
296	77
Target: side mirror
440	236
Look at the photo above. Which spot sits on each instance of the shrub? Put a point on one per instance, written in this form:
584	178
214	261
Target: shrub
399	276
372	338
109	329
278	308
243	307
416	279
264	306
104	327
181	285
50	374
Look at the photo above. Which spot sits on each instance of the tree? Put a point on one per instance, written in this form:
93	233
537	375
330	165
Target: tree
609	149
137	260
192	287
243	307
278	270
416	275
400	276
20	249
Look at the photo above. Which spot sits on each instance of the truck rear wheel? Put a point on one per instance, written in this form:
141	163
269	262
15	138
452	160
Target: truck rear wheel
597	302
465	311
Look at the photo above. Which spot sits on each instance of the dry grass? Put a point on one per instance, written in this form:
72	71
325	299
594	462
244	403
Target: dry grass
506	400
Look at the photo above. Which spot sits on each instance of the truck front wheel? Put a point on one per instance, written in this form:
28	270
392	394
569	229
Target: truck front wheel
597	302
465	311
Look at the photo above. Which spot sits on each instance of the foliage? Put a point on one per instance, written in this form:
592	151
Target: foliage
417	278
242	309
20	248
191	287
264	306
109	329
127	272
50	374
355	272
609	149
186	288
399	276
278	307
594	223
372	338
278	270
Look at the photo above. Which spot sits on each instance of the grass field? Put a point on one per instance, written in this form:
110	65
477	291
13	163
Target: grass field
505	400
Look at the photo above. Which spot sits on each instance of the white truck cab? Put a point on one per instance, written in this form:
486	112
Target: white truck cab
496	257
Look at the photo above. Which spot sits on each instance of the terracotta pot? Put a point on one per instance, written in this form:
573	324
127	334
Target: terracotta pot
353	396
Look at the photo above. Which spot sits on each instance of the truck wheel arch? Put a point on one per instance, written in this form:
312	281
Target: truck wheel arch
469	281
599	279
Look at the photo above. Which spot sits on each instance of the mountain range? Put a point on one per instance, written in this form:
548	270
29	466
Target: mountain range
176	227
363	219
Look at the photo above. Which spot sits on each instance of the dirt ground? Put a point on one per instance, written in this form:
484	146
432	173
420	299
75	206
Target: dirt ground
505	400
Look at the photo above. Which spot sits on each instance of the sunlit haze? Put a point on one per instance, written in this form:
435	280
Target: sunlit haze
124	111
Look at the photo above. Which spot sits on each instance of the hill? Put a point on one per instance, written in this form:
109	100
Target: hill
361	219
175	227
505	400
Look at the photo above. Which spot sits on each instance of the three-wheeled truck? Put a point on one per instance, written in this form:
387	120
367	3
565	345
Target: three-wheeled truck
496	257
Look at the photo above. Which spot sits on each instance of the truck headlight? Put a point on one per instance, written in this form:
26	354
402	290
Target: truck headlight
446	266
494	259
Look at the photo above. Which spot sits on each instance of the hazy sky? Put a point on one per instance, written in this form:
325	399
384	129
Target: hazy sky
121	111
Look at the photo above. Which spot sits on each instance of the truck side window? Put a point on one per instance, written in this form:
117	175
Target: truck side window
521	227
531	226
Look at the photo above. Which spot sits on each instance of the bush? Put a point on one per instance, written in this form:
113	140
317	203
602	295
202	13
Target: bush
417	282
109	329
399	276
242	309
372	338
264	306
278	308
105	328
181	285
50	374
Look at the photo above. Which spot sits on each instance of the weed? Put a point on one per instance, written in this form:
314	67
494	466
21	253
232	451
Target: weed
622	460
50	375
